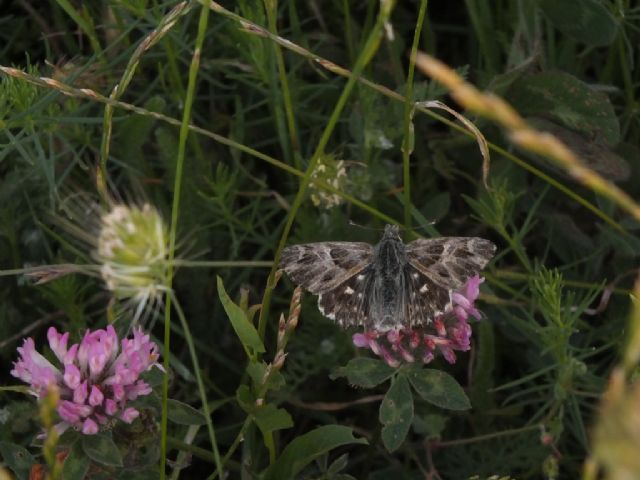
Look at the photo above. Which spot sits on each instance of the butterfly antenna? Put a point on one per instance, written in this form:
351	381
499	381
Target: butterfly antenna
424	226
354	224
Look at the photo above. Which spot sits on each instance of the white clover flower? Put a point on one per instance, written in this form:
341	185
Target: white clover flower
332	171
132	249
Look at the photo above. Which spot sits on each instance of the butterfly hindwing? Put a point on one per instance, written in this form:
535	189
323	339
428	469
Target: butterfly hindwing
349	303
424	298
321	267
450	261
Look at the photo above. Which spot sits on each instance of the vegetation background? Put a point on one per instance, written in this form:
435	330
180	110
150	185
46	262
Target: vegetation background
267	98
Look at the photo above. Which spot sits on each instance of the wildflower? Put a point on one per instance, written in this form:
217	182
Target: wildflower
448	332
96	378
333	172
132	248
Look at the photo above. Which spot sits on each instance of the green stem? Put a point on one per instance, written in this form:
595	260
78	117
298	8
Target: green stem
489	436
234	446
272	12
347	29
366	54
483	26
197	452
567	283
222	264
626	76
343	72
94	96
182	142
85	24
203	394
516	247
407	144
164	26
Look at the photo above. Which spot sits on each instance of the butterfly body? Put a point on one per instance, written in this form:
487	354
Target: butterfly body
389	262
390	286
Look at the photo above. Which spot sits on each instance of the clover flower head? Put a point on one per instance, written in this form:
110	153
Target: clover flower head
132	248
332	171
96	378
449	331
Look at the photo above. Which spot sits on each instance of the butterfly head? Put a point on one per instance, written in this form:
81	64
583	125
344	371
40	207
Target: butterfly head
391	232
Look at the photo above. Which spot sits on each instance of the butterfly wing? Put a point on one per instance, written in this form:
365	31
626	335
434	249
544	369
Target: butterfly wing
320	267
435	268
349	304
424	299
339	272
449	261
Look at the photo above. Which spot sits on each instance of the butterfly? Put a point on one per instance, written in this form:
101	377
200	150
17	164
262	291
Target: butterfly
391	285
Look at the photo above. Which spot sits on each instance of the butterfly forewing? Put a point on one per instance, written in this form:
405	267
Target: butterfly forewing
321	267
450	261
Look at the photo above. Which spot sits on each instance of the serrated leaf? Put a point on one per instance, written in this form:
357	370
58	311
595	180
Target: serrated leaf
184	414
567	100
76	465
101	449
396	413
304	449
364	372
587	21
244	329
17	458
437	387
270	418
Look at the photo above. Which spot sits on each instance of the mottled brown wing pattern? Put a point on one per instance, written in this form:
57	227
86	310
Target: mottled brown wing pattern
424	299
348	304
449	261
322	267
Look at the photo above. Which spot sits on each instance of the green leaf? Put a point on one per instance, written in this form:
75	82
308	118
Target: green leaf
102	449
396	413
133	132
184	414
17	458
270	418
364	372
566	99
257	371
587	21
306	448
437	207
76	465
148	473
338	465
245	398
437	387
430	426
244	329
482	397
595	155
